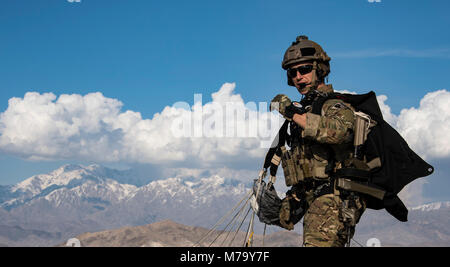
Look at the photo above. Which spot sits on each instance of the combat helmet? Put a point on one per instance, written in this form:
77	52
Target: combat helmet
303	50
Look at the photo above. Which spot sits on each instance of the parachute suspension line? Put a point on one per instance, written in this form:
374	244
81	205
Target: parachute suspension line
248	238
234	220
229	213
248	227
357	242
349	239
234	217
239	214
248	242
248	195
231	230
240	225
264	233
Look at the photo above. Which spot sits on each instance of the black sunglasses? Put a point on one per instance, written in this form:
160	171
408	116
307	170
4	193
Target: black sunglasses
305	69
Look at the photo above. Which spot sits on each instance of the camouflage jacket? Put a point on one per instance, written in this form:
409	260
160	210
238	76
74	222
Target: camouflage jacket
334	125
326	137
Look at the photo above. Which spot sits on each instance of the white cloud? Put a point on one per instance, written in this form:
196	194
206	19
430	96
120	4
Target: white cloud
41	126
345	92
427	128
93	127
386	111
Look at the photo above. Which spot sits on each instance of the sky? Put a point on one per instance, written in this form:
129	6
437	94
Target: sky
96	81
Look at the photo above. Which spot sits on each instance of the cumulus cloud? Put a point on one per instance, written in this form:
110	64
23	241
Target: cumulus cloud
40	126
386	111
427	127
93	127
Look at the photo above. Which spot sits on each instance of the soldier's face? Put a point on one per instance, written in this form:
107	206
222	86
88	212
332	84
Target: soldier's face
301	81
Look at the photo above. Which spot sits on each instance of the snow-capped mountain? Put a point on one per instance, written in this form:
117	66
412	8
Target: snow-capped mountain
71	183
66	185
74	199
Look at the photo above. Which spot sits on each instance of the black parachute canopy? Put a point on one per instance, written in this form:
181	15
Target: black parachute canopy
268	203
400	165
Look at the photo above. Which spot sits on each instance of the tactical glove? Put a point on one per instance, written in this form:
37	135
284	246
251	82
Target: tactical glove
292	210
285	214
285	106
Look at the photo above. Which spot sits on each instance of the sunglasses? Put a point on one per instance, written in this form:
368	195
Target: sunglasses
305	69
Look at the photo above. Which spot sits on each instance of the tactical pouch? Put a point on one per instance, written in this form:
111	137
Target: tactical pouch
293	172
363	123
319	162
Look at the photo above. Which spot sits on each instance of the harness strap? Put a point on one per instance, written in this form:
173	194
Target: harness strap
353	173
273	156
350	185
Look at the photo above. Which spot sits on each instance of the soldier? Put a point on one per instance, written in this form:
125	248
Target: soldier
321	144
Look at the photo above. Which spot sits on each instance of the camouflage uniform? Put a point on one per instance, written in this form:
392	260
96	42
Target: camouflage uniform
327	136
322	224
323	146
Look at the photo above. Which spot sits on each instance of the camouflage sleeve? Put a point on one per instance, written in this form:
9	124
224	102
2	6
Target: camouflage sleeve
335	126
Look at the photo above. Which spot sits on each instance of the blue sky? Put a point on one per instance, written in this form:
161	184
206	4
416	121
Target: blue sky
151	54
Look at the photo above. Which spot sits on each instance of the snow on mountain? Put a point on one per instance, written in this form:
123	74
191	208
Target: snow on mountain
66	184
76	181
69	173
190	192
88	198
432	206
108	190
59	177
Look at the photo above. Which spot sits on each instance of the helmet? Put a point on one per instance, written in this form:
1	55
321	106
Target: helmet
303	50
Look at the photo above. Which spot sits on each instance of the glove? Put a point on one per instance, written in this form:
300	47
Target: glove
285	106
292	211
285	214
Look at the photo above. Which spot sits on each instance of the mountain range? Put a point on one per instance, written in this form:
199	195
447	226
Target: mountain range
171	234
47	209
74	199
